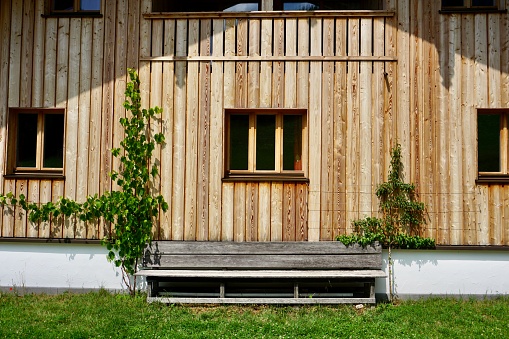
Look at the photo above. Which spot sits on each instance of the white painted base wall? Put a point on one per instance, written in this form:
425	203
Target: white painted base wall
55	267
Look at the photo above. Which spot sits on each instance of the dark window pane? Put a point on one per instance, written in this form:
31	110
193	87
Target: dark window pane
239	142
483	3
265	142
328	5
90	5
292	142
488	138
26	150
53	141
63	5
452	3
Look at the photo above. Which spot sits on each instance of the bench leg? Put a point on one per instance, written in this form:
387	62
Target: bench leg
296	290
152	288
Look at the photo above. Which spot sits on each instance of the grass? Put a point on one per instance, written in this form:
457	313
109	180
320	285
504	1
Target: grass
105	315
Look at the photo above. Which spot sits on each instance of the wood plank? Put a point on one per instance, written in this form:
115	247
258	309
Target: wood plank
179	134
57	223
254	67
264	204
481	100
273	58
352	120
241	80
290	93
403	82
272	261
455	132
119	84
216	135
314	123
269	13
266	67
327	134
263	274
108	95
289	212
378	82
38	56
50	53
227	227
167	128
303	87
273	301
239	212
468	123
8	212
276	212
72	121
204	133
95	123
133	33
302	213
339	129
15	54
45	197
33	196
252	212
27	54
219	248
278	72
62	58
20	217
84	108
5	27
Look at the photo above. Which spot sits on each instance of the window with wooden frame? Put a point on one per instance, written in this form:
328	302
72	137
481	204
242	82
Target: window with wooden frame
36	141
493	145
76	7
469	4
264	143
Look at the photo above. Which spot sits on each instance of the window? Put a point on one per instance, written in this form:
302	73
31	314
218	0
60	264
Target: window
205	6
492	144
327	5
36	141
468	4
264	142
74	6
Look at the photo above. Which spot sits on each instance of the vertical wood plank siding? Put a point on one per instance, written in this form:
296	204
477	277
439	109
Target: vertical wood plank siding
367	80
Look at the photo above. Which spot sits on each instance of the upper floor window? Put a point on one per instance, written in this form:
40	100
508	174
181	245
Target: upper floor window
492	144
468	4
74	6
36	141
256	5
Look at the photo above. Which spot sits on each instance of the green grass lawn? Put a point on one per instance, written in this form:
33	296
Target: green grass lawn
103	315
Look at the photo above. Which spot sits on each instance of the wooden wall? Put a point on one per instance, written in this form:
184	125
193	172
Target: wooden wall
368	80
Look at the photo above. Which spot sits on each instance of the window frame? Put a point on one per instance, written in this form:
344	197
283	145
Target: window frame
12	144
76	12
498	6
252	174
501	176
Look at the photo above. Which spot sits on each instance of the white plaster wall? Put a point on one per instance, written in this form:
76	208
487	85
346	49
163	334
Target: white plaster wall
60	267
41	266
447	272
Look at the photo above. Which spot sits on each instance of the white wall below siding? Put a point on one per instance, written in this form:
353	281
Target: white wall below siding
52	266
447	272
56	267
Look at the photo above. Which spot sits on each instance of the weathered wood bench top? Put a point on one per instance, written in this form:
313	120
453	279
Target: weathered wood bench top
261	272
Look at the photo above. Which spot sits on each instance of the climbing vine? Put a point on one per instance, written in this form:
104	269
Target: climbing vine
132	209
402	217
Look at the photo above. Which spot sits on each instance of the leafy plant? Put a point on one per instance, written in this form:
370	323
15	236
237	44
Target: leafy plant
133	209
402	217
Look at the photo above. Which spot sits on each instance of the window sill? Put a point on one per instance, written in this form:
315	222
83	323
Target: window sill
265	177
36	176
471	10
492	179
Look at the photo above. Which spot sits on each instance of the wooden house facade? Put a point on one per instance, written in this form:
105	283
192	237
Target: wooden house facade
354	83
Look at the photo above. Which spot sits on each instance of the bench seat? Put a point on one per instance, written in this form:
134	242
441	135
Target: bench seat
261	273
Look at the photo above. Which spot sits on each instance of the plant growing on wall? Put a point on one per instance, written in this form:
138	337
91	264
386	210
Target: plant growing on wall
402	217
132	209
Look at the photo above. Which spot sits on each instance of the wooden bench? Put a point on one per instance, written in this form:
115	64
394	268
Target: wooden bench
261	272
